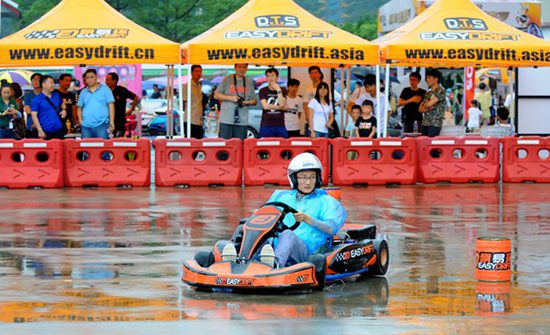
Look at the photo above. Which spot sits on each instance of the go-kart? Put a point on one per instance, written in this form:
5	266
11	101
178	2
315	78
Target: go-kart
353	251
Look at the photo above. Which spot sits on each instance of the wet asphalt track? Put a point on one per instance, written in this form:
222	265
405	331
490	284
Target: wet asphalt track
109	261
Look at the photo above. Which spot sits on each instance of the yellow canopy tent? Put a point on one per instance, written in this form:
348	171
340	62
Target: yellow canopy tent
456	33
277	32
85	32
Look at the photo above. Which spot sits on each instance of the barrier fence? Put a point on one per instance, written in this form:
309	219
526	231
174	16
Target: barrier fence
266	160
458	159
115	162
192	162
526	159
374	161
33	163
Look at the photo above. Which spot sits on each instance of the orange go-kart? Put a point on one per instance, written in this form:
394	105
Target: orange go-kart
354	251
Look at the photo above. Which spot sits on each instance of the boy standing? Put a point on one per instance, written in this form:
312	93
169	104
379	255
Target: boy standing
295	108
273	101
503	121
351	130
366	123
474	116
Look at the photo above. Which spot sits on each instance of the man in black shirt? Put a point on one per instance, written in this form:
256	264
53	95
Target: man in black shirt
410	99
69	99
121	95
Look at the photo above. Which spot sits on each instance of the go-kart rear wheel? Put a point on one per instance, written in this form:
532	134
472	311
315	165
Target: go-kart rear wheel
204	258
382	259
320	263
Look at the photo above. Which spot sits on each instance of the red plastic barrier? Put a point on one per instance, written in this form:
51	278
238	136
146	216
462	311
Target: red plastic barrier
31	163
192	162
111	163
458	159
526	159
266	160
373	161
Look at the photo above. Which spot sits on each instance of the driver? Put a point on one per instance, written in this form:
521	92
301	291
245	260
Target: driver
319	214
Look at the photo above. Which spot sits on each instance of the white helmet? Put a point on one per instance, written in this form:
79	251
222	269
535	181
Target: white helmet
302	162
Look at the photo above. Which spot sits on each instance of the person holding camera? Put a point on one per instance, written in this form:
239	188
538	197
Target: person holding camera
8	112
236	93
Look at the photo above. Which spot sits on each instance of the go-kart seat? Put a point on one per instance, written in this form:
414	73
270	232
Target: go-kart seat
357	233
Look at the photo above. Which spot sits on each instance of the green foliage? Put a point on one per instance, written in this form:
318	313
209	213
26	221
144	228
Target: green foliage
181	20
366	27
177	20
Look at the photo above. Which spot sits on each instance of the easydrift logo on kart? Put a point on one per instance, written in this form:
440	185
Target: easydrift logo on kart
233	281
353	253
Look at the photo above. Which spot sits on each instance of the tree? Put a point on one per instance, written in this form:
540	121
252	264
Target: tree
177	20
366	27
181	20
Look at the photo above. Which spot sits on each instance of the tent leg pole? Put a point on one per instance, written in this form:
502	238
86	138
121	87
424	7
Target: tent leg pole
170	102
342	100
377	111
189	97
180	99
386	100
348	88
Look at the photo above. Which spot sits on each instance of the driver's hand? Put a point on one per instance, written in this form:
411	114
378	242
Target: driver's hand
300	217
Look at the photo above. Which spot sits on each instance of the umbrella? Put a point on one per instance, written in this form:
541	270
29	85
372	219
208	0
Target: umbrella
21	77
217	80
361	73
161	82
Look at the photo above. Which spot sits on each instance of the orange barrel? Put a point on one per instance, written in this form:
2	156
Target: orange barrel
493	297
334	192
493	259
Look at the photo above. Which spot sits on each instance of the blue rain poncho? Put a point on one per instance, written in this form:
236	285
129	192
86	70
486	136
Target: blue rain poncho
319	206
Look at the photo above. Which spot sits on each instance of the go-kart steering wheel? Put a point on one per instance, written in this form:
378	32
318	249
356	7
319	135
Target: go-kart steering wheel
286	210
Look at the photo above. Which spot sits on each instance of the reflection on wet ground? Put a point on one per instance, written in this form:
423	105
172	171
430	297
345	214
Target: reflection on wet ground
103	255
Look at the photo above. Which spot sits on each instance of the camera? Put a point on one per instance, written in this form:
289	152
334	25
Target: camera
240	102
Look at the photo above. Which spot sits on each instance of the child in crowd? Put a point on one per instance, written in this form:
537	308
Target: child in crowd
503	121
366	123
351	131
294	108
474	116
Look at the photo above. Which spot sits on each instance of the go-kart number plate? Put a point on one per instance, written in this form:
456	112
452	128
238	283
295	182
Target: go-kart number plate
262	221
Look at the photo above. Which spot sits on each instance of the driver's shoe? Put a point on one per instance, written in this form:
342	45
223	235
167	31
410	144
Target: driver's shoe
229	253
267	255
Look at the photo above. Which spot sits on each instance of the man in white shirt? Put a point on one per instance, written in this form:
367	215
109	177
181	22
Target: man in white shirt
294	108
316	76
197	130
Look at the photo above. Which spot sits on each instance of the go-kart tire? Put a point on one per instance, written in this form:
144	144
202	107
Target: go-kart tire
382	259
204	258
320	263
